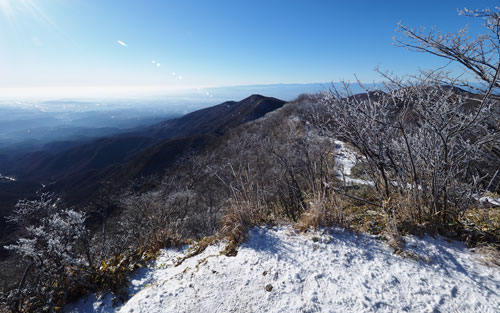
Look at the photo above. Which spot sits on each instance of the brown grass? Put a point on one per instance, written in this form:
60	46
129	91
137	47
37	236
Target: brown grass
325	209
197	248
164	238
488	255
236	223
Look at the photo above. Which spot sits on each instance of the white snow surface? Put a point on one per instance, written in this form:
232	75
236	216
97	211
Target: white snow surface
491	200
346	159
331	270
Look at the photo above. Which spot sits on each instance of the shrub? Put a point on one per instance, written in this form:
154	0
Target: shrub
56	250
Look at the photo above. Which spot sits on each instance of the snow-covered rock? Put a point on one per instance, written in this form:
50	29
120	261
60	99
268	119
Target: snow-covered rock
332	270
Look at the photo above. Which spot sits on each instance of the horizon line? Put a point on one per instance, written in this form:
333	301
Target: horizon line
29	92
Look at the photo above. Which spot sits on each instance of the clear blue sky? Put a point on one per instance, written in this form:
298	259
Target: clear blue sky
210	43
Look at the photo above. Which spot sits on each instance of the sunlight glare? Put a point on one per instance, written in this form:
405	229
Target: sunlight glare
11	8
6	9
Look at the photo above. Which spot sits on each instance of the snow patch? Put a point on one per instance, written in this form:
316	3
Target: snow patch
345	160
332	270
6	178
491	200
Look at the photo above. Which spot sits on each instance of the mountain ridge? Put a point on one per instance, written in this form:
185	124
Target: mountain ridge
78	171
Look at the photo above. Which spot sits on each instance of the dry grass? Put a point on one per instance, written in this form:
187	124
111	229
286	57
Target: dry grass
488	255
395	238
325	209
239	218
236	223
483	220
197	248
164	238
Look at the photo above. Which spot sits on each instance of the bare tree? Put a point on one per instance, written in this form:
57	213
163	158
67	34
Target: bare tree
422	143
479	55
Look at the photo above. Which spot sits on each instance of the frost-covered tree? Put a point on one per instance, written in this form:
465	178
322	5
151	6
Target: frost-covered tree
477	55
29	212
422	143
425	142
56	250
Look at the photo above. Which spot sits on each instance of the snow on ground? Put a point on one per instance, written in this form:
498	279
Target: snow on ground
6	178
491	200
326	271
346	159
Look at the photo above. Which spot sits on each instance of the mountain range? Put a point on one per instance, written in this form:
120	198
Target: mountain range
75	170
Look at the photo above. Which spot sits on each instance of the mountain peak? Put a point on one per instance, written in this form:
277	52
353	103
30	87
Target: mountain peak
148	151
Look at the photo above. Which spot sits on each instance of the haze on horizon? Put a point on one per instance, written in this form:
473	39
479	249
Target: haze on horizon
58	47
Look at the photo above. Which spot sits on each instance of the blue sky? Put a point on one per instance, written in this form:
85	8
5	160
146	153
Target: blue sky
57	43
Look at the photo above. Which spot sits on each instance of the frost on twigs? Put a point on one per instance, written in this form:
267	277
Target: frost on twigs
56	238
56	250
427	147
476	55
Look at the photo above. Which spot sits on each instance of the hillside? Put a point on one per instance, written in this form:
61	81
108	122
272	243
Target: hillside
99	154
77	172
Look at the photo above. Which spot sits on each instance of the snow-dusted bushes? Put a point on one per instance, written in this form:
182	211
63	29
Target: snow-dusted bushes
423	144
278	171
28	212
429	148
153	219
56	250
61	238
